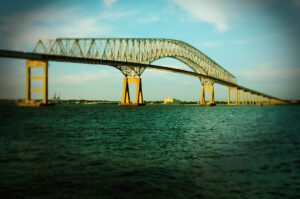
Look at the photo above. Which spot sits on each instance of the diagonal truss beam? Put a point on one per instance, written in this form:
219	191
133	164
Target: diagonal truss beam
135	50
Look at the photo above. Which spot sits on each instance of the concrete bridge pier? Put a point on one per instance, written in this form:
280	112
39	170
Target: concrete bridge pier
264	100
254	99
260	100
233	96
28	101
248	98
241	99
267	101
207	85
138	100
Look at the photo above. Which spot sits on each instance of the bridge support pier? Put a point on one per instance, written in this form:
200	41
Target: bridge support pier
241	99
248	98
235	94
28	102
255	99
267	101
138	101
259	100
212	97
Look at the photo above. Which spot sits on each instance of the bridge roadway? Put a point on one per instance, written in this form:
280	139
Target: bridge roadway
60	58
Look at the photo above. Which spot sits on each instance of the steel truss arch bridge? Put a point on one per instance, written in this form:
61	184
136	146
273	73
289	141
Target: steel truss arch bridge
137	50
132	56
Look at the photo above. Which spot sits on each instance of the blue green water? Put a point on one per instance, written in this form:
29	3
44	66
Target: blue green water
155	151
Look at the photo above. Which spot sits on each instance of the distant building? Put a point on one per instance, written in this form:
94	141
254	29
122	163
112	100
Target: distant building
171	101
168	101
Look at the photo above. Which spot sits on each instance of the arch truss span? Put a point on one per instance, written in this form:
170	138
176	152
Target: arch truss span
138	50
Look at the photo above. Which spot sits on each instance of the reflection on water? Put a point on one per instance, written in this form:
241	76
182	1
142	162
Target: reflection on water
162	151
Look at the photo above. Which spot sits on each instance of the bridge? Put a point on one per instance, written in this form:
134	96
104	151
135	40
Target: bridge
132	56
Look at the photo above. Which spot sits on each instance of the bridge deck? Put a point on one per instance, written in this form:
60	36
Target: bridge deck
60	58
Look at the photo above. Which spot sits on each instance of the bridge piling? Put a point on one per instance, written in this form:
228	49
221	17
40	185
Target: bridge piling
28	101
211	99
267	101
125	94
248	100
138	94
241	99
138	101
207	85
236	94
28	85
260	100
254	99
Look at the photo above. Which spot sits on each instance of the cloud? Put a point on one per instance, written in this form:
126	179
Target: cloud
149	19
243	41
23	30
86	76
217	12
258	38
114	15
109	2
8	81
220	13
209	44
269	71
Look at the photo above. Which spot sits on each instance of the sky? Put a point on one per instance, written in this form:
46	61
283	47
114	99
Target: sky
255	40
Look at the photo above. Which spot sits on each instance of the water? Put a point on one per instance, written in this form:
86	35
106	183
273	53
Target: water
156	151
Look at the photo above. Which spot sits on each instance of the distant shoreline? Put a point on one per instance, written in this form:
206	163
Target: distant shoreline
73	101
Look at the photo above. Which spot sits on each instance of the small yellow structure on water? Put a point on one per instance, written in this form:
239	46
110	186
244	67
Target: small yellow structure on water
168	100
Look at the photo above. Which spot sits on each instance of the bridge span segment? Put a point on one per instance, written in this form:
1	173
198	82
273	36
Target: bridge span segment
132	57
141	51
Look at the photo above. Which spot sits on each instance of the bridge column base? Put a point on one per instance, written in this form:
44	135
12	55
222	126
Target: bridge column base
28	102
33	103
254	99
138	101
241	98
267	101
248	98
236	95
212	98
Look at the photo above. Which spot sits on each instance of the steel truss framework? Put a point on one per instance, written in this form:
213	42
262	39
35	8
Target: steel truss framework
250	97
137	50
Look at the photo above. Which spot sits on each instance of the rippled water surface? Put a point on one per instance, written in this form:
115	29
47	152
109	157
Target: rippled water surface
155	151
